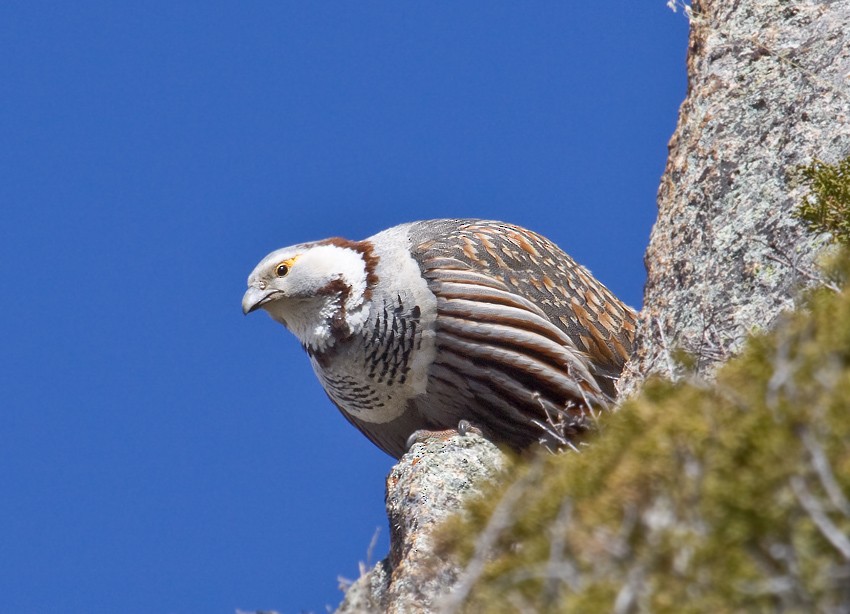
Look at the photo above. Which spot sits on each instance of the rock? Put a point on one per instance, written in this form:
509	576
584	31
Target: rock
768	90
425	487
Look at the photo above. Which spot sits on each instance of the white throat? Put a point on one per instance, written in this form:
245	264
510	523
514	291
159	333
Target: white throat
328	285
308	319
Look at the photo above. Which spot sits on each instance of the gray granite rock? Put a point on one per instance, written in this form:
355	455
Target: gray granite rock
768	89
425	487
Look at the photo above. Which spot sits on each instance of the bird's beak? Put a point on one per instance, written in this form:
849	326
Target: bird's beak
254	299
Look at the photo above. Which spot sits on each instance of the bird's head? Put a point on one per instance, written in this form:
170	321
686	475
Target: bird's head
319	291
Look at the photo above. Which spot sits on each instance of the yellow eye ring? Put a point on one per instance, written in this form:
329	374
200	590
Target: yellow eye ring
282	269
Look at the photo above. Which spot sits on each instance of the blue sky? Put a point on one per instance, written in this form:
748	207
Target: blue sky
161	453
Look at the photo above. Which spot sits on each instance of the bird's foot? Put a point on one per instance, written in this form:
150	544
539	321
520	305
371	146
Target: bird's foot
464	427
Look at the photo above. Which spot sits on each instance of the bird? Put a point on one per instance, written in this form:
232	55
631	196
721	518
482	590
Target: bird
451	324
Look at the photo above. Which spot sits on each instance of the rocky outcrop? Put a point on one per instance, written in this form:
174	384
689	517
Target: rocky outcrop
768	90
427	485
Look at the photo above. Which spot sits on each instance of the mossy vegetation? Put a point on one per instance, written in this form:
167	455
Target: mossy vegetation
730	495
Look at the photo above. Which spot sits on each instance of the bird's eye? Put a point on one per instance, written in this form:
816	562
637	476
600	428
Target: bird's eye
282	270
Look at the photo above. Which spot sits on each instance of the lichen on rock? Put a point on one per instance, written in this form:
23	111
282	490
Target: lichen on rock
768	90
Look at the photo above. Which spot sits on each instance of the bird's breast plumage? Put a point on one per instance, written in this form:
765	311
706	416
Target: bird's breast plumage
374	373
371	375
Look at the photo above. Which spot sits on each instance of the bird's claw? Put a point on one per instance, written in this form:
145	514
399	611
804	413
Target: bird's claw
464	427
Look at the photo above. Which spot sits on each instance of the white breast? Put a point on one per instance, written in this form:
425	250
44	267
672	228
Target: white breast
386	364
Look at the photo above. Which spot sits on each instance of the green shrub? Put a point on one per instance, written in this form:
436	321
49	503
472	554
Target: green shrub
827	206
696	496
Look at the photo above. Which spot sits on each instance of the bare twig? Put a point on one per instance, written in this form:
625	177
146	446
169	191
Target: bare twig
500	520
783	372
807	274
521	604
823	469
827	528
671	369
557	548
364	567
629	592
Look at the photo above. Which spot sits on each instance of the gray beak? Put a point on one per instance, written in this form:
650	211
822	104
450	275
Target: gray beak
254	299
